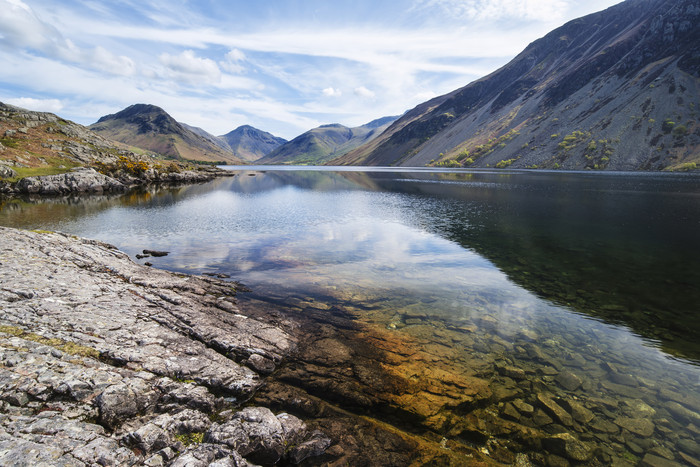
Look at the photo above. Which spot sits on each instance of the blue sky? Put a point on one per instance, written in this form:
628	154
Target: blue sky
283	66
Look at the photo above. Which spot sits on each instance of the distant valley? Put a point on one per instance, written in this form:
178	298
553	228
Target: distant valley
325	143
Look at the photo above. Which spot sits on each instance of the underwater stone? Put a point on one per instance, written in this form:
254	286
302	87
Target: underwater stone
510	412
650	460
565	444
568	380
641	427
689	447
541	419
579	412
604	426
681	412
555	410
623	378
523	407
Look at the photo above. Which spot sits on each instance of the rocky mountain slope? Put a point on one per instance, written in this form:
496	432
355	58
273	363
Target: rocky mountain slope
320	145
44	154
151	128
615	90
251	144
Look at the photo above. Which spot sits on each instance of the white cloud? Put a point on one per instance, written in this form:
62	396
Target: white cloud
363	92
332	92
189	68
233	62
104	60
21	28
235	55
38	105
490	10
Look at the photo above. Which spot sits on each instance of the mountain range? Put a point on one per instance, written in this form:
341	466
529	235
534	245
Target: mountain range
150	128
615	90
327	142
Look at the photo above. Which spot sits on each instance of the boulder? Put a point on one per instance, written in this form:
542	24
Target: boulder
123	401
254	432
82	180
5	171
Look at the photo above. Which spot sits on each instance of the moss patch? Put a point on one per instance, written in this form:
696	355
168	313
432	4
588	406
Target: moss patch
190	438
65	346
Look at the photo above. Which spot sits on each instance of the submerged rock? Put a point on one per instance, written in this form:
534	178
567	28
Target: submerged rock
555	410
565	444
639	426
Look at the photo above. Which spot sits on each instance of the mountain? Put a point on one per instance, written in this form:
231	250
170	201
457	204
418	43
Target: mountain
42	153
216	140
151	128
320	145
615	90
251	144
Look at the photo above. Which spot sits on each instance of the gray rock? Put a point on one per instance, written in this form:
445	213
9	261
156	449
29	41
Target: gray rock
6	172
148	438
82	180
254	432
122	340
121	402
293	428
204	455
316	445
261	364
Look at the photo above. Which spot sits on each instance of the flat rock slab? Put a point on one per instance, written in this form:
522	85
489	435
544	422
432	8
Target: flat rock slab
99	355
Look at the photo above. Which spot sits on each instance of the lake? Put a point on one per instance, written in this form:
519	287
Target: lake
549	313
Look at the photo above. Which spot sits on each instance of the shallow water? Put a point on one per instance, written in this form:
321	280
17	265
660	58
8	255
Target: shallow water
494	309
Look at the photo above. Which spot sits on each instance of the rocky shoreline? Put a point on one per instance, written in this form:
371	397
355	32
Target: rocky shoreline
106	362
89	180
80	160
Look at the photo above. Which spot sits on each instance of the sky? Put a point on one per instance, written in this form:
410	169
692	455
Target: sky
283	66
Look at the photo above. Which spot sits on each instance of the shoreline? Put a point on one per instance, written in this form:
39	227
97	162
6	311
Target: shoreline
103	359
87	180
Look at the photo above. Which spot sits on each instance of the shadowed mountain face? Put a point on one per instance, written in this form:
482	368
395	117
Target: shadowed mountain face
320	145
251	144
615	90
151	128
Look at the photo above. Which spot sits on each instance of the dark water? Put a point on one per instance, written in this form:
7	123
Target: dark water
528	287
